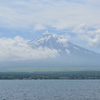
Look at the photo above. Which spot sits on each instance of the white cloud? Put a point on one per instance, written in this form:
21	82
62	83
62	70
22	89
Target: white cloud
39	27
17	49
80	29
95	32
93	2
46	33
60	14
63	38
95	42
92	37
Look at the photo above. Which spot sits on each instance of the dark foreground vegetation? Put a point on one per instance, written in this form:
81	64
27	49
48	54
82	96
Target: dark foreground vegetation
51	75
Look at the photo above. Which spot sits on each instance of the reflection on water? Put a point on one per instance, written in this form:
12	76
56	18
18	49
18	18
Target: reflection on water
49	89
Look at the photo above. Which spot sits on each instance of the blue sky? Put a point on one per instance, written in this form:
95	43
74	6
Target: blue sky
26	20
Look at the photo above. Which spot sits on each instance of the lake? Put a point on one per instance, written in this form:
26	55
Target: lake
49	89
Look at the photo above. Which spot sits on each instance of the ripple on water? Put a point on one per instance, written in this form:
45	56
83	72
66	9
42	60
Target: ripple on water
49	90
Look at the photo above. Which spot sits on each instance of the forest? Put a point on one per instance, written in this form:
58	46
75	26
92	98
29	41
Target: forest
50	75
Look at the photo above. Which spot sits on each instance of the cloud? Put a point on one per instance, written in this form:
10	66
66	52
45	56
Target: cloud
63	39
17	49
61	14
80	29
54	15
95	42
39	27
46	33
95	32
92	37
97	2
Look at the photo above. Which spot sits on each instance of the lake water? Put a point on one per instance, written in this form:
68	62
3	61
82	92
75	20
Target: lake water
49	89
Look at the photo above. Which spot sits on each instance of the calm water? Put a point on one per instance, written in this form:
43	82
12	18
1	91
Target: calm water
49	89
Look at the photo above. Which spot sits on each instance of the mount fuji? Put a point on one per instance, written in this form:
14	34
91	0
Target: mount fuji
70	56
54	53
59	43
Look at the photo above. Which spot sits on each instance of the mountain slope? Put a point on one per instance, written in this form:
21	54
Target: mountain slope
70	56
59	43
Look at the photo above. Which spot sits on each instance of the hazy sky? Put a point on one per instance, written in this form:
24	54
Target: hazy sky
24	20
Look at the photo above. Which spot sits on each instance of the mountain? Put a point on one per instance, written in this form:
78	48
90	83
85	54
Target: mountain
59	43
70	55
67	57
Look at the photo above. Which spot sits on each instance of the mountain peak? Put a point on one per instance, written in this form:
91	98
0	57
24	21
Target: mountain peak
51	41
59	43
48	37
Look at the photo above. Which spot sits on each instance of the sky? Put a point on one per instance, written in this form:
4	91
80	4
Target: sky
25	20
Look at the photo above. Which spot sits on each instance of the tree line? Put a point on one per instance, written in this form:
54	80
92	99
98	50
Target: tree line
51	75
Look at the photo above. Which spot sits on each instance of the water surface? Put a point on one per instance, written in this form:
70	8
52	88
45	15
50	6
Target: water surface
49	89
